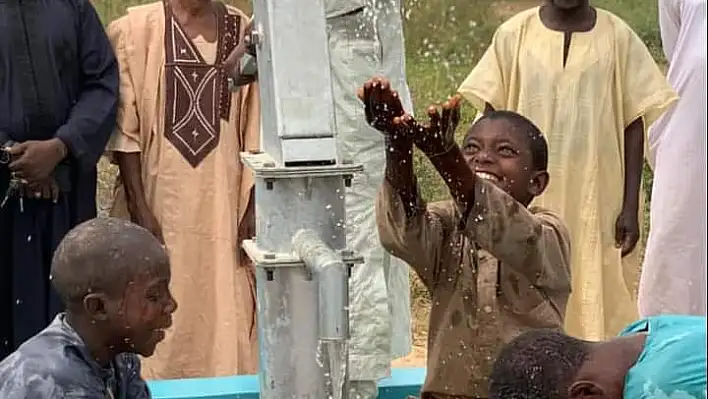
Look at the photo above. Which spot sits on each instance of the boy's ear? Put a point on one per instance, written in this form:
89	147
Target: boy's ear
96	305
585	389
538	183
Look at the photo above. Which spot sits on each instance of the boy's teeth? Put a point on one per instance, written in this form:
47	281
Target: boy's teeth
486	176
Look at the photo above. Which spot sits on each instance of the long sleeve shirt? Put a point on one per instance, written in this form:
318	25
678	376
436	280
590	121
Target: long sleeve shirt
503	270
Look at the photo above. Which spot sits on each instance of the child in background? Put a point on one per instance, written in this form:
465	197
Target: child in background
656	358
113	277
493	267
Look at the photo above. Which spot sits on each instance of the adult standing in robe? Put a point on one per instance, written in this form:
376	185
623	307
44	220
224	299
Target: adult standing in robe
177	144
366	39
674	273
58	97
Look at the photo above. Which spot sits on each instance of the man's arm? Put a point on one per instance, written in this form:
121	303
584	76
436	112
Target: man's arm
125	144
129	165
93	117
627	229
241	64
634	157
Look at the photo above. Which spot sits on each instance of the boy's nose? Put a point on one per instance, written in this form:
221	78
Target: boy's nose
171	306
483	157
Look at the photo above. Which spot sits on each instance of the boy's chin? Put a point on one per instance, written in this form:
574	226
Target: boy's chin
147	349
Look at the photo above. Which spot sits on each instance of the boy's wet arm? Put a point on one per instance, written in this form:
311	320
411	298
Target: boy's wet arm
418	238
534	242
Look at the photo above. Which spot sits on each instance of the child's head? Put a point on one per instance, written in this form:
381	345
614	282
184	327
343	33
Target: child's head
547	364
509	150
114	276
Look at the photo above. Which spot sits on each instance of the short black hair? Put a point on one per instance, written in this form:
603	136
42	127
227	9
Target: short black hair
534	137
103	255
538	364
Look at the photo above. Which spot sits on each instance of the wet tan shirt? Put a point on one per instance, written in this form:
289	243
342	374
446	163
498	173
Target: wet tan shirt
501	271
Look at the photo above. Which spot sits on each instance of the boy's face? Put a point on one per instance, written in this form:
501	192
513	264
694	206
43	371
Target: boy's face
140	319
501	155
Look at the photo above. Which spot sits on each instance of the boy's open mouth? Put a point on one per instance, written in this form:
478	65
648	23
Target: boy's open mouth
487	176
161	332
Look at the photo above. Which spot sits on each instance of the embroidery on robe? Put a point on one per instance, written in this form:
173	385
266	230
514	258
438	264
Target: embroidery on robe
197	93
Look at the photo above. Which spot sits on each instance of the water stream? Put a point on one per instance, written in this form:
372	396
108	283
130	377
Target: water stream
335	367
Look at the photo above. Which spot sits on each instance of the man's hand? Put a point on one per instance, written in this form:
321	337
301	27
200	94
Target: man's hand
147	220
382	105
35	161
438	136
46	189
627	231
232	62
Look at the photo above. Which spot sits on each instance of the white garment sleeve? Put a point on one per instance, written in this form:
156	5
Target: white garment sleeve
670	24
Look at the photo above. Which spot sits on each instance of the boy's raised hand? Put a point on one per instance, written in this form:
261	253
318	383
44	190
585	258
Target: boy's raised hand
438	135
381	105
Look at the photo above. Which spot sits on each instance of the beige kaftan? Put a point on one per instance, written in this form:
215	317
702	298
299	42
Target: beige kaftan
199	207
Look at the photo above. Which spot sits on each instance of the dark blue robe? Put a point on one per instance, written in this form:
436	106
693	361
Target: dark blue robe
58	78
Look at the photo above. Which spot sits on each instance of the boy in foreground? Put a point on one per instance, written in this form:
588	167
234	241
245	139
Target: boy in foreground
660	357
493	267
113	277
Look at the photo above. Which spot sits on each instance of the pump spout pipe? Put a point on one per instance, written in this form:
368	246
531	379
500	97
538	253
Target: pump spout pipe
332	277
333	280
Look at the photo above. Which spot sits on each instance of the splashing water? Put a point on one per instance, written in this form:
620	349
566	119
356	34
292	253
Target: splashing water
337	355
332	358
